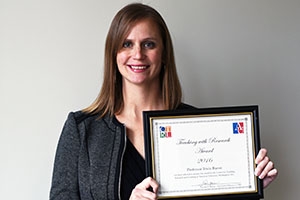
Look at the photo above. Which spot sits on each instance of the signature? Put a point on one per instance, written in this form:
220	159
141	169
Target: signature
210	184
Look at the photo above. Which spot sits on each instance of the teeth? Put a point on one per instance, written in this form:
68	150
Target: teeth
138	67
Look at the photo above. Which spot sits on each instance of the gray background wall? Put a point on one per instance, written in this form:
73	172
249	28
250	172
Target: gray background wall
232	52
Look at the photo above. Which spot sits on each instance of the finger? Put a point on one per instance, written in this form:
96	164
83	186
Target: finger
144	184
261	155
139	194
147	183
265	171
154	185
270	177
261	166
273	173
141	191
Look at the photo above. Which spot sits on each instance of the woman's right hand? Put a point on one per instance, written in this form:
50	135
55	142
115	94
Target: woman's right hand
141	190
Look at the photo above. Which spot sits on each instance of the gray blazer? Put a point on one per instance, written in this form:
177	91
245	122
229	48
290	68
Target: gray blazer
88	158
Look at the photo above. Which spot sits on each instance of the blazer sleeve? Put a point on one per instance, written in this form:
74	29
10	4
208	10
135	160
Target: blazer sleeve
65	171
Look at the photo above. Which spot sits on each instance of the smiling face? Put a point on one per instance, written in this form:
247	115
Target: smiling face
140	58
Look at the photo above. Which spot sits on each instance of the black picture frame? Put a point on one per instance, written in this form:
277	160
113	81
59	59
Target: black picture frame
149	117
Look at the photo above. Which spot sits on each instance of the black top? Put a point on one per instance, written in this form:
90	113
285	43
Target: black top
133	170
134	167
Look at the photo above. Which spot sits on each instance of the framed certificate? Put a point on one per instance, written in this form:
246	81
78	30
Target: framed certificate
203	153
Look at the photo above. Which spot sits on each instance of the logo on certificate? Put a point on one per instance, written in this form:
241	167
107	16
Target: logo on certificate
165	131
238	127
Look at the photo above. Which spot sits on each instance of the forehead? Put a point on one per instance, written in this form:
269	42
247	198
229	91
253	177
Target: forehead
144	28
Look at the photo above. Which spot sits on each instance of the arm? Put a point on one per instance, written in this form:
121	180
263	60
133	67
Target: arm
265	168
65	178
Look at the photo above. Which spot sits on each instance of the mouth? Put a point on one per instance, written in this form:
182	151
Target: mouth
138	67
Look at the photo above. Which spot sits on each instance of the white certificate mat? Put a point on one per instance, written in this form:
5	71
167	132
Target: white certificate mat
194	155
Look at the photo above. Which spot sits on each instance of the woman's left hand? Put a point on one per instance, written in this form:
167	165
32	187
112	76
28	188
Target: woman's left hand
265	167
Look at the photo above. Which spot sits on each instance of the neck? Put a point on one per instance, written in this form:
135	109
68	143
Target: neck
138	99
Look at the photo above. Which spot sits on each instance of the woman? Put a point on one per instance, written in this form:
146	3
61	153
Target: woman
100	154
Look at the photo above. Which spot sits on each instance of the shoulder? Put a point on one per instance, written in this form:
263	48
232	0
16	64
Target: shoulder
76	118
80	116
84	119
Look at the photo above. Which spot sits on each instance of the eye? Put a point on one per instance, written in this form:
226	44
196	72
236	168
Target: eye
148	45
127	44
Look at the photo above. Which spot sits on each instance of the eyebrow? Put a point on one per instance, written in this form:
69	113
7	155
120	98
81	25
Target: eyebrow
145	39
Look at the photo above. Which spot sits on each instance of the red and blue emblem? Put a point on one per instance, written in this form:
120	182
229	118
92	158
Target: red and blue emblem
238	127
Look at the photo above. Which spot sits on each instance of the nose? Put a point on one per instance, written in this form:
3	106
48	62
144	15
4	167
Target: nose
138	52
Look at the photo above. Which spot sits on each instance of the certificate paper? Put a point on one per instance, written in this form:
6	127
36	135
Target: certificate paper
206	153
